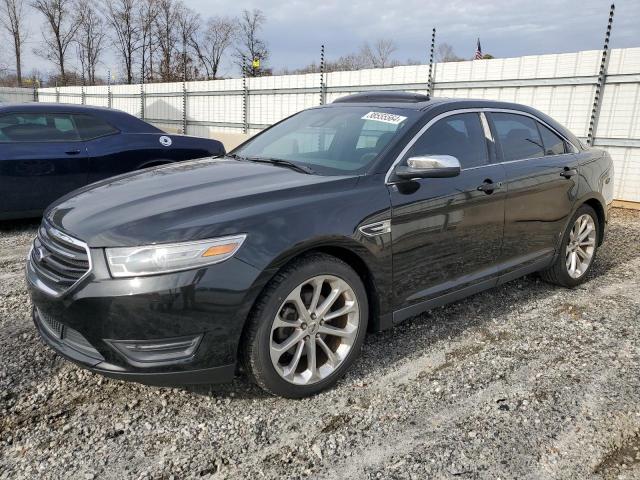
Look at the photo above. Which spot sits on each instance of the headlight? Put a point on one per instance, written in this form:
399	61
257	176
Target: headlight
174	257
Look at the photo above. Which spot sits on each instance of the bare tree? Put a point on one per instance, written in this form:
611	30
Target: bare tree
250	47
167	37
59	32
147	15
445	53
12	19
378	55
122	18
89	38
188	24
212	43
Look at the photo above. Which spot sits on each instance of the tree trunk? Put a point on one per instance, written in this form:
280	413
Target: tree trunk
18	45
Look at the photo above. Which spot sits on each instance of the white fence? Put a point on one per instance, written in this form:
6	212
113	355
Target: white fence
16	95
561	85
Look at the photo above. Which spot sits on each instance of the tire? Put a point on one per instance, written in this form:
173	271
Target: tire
285	316
561	273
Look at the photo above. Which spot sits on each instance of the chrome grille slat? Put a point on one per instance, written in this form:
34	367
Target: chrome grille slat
61	248
58	260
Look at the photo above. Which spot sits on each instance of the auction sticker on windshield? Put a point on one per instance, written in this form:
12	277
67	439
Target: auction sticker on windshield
384	117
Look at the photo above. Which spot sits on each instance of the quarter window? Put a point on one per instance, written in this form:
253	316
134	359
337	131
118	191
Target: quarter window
37	127
553	144
91	127
459	135
518	135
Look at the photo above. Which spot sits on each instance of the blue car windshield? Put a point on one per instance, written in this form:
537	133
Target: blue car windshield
337	140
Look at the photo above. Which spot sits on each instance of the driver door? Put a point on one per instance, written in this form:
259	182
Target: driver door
447	232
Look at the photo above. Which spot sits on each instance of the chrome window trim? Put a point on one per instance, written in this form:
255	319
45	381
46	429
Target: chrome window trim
483	119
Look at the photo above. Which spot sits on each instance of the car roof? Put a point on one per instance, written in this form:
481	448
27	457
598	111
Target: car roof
50	107
436	105
416	101
122	120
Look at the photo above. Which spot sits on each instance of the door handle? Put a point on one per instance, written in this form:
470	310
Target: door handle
569	172
489	187
72	152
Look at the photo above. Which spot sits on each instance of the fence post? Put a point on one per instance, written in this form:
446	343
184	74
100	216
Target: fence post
109	88
57	93
184	108
602	78
35	90
245	98
323	97
430	84
142	100
83	98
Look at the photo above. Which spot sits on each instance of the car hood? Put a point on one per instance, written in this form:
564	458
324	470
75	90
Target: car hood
185	201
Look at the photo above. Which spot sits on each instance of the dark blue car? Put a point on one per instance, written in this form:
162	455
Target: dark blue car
48	150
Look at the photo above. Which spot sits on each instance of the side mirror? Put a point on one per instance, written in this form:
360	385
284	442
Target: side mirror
432	166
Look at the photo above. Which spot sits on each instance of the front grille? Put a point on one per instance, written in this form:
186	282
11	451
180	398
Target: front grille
58	259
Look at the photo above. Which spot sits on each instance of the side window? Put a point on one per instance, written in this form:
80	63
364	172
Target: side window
36	127
91	127
518	135
460	136
553	144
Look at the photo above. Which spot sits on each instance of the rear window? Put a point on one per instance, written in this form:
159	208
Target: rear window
518	135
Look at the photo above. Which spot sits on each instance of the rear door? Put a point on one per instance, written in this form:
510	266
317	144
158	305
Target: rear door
447	232
541	174
41	159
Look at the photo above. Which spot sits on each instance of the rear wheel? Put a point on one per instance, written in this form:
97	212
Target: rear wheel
308	327
577	251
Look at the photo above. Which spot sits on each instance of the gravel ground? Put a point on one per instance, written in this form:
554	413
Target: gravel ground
523	381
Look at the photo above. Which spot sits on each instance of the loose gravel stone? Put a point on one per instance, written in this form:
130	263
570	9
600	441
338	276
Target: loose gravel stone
526	380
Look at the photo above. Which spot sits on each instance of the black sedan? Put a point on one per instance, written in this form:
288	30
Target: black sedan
48	150
342	219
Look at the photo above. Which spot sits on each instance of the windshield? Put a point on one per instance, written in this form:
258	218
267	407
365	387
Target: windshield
331	141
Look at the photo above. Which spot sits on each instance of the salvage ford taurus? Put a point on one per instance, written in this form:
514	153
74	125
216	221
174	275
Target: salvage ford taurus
339	220
48	150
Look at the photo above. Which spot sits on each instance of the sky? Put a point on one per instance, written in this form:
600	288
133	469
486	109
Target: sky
295	29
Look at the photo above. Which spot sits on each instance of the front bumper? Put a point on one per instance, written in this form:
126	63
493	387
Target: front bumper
89	323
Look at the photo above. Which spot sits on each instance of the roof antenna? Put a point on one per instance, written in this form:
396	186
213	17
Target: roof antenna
430	81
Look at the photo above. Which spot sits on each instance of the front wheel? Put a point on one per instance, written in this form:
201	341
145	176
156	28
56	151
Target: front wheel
307	328
577	250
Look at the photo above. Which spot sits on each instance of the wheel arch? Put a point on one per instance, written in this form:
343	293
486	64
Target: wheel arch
598	206
350	252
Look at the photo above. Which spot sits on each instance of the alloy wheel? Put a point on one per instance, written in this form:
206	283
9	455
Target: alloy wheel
314	330
581	246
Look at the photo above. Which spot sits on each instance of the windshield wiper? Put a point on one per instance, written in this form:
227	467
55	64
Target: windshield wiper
235	156
284	163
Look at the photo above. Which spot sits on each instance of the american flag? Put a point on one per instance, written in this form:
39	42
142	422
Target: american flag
478	51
